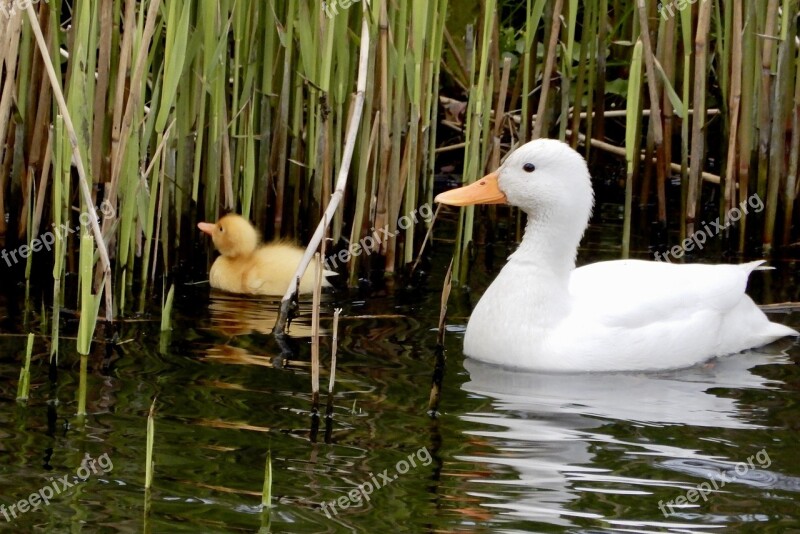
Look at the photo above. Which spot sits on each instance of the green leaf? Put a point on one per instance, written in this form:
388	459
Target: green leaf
632	116
675	100
90	303
166	309
175	56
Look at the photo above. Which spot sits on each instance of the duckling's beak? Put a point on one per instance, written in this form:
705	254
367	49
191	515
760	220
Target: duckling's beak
483	191
206	228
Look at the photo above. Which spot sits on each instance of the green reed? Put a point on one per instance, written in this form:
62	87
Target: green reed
24	385
175	111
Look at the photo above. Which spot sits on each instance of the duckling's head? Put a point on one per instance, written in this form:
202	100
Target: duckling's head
545	178
233	235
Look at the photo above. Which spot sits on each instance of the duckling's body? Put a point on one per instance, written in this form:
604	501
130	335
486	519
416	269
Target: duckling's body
248	266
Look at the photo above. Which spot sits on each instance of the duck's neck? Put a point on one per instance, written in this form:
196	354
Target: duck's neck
534	284
548	248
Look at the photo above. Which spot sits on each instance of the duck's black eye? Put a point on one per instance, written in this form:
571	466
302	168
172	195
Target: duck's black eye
529	167
221	229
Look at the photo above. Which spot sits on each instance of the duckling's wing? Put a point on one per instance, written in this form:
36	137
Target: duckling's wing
274	267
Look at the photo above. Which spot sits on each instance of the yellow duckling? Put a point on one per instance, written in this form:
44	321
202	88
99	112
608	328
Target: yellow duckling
248	266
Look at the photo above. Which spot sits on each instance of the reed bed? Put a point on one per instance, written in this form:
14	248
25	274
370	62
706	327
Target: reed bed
129	121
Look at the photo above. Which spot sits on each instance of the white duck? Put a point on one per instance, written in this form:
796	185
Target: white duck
542	313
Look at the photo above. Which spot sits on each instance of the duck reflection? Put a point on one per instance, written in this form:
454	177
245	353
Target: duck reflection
552	442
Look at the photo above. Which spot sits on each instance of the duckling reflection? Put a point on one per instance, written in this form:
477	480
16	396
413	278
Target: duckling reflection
237	316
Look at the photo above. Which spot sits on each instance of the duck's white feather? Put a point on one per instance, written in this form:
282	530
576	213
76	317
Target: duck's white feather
542	313
634	293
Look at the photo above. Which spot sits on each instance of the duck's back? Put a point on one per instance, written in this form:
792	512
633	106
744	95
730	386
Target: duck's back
631	293
648	315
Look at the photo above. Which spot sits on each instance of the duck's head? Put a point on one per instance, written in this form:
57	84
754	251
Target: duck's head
545	178
233	235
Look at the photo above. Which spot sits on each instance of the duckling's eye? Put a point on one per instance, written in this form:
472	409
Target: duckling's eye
529	167
221	229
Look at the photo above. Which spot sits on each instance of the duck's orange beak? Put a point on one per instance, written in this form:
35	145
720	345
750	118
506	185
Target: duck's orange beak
207	228
484	191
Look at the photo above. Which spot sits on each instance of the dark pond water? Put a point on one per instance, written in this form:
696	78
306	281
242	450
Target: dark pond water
509	451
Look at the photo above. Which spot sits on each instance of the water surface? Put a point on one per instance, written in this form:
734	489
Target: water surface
508	451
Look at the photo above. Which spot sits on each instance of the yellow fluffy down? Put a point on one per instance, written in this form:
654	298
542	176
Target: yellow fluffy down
268	271
247	266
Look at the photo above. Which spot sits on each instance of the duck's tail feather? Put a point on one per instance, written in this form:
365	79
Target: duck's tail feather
777	331
757	265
